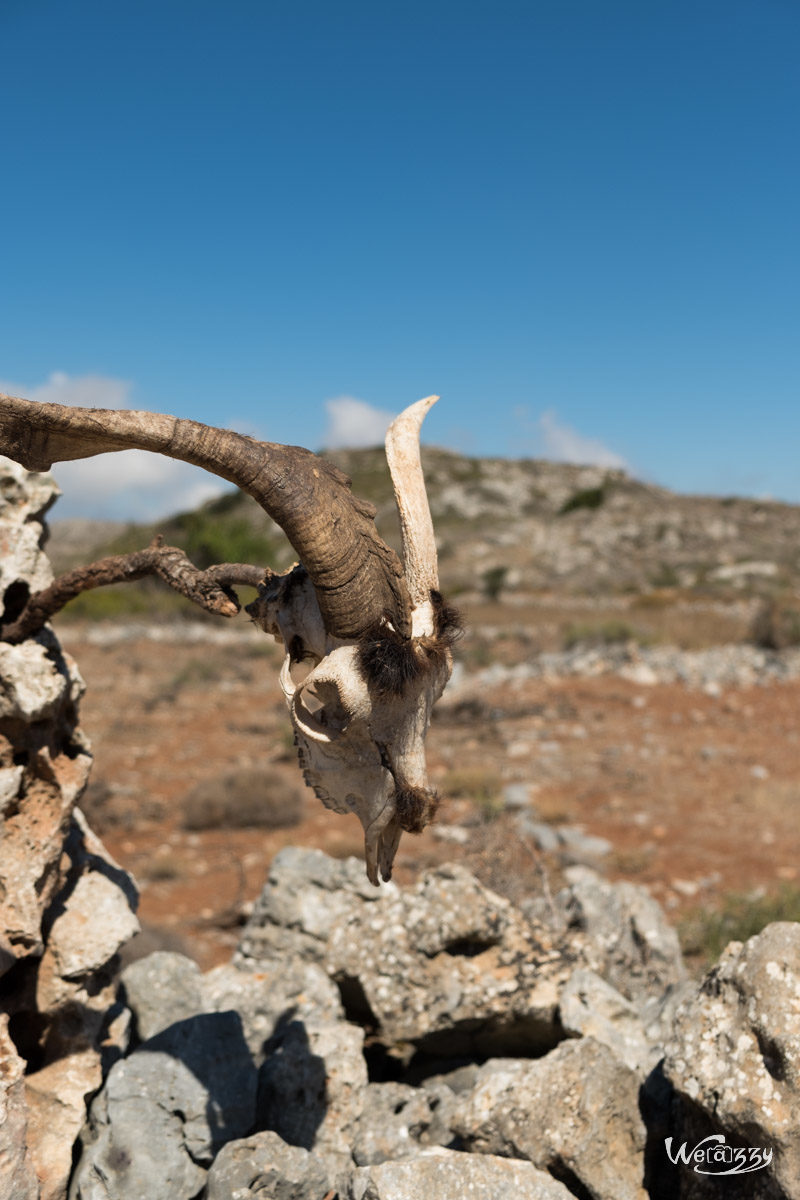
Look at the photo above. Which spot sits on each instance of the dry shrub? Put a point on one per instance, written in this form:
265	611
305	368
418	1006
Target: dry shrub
776	625
259	797
510	863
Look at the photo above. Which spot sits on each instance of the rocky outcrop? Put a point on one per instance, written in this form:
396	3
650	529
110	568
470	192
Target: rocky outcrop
66	907
734	1056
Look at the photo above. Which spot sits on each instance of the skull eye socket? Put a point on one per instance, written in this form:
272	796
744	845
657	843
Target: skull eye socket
319	710
301	661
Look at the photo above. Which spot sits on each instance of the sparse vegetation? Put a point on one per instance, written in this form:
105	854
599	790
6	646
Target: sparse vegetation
494	580
607	633
705	933
776	625
482	785
586	498
251	797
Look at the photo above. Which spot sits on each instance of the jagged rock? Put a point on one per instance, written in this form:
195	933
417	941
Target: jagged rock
162	989
57	1098
93	918
56	766
629	941
451	966
25	497
398	1120
449	1175
17	1173
265	1166
268	994
590	1007
166	1110
574	1113
305	893
734	1058
311	1086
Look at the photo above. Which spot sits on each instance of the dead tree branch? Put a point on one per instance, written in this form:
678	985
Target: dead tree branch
212	589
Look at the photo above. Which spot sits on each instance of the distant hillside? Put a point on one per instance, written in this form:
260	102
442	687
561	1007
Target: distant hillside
524	526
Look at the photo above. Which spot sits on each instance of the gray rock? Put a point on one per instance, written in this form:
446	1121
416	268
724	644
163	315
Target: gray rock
590	1007
579	847
265	1166
312	1086
398	1121
268	994
449	1175
162	989
734	1057
629	941
17	1173
574	1113
451	966
545	836
305	893
166	1110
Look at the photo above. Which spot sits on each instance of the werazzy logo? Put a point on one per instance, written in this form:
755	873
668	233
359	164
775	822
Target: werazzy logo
712	1156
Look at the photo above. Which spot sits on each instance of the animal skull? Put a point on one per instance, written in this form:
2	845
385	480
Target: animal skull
367	638
360	745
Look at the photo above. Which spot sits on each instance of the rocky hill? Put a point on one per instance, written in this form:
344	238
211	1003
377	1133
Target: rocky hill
522	525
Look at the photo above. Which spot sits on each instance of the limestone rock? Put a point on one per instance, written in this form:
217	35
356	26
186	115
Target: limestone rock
166	1110
17	1172
264	1166
162	989
449	1175
574	1113
451	966
590	1007
94	917
311	1087
631	944
57	1098
734	1058
398	1121
268	994
304	895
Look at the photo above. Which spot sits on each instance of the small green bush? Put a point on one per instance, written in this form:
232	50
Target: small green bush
705	933
494	580
587	498
482	785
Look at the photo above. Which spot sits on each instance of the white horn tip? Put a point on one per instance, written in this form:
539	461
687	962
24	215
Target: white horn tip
411	417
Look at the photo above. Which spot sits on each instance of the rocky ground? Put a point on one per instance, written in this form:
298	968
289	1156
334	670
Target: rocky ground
675	769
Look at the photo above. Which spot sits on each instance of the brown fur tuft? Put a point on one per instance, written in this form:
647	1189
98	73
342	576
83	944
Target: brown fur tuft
415	807
390	662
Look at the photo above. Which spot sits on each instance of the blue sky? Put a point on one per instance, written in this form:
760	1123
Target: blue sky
577	222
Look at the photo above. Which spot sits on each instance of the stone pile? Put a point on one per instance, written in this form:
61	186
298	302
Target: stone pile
436	1041
713	669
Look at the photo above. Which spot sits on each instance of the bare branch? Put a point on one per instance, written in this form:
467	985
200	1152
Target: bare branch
211	589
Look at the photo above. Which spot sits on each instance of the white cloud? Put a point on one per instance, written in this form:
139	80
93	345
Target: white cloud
567	445
131	485
354	423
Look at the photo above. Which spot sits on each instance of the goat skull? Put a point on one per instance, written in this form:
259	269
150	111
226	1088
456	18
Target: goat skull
367	639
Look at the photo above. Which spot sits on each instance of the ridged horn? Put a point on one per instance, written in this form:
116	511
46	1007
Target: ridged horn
416	527
358	579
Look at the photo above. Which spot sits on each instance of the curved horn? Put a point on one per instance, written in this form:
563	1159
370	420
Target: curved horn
357	578
416	526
